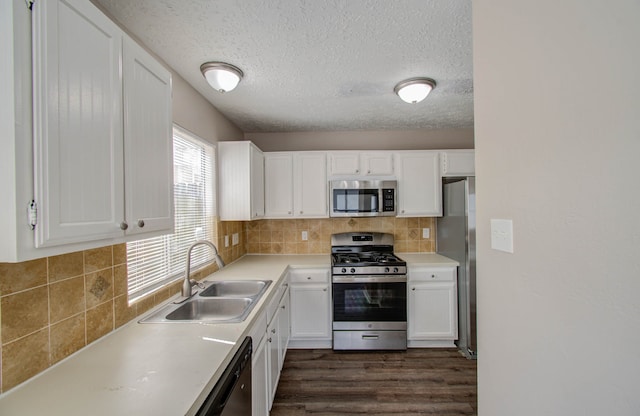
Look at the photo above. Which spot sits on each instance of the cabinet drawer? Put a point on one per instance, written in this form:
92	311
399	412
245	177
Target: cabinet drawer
309	276
440	274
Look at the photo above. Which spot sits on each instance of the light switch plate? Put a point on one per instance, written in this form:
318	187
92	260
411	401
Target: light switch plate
235	239
502	235
426	232
305	236
226	241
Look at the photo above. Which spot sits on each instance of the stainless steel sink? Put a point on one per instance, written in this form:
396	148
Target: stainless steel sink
221	309
236	288
219	302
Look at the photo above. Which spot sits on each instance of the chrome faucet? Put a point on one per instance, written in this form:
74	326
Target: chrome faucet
189	283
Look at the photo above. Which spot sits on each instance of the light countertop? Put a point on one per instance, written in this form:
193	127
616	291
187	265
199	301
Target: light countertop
159	368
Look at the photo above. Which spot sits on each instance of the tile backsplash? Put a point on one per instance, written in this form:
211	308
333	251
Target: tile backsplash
285	236
54	306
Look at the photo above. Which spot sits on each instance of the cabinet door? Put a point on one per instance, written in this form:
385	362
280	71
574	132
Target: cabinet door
310	185
458	163
310	311
377	163
432	311
284	329
257	182
419	184
278	185
148	142
259	380
77	123
273	357
344	163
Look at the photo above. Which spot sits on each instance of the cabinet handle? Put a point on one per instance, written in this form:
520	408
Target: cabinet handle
413	288
140	223
283	306
269	339
357	170
308	277
433	276
324	290
301	212
273	331
124	225
368	172
289	212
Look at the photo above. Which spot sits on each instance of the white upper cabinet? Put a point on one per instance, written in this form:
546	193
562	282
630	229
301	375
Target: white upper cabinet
457	163
79	171
278	184
147	145
376	163
371	163
295	185
241	182
419	184
310	185
99	100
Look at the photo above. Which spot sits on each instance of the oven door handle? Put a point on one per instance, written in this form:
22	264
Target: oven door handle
370	279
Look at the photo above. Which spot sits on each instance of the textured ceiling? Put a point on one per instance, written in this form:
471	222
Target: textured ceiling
317	64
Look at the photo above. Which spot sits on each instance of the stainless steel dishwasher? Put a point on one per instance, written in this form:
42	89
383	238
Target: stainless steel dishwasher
232	393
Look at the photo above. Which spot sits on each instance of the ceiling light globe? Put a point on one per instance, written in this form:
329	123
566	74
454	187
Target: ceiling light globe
222	77
414	90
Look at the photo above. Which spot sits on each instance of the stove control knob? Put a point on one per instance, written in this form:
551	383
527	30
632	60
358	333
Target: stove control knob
386	270
395	270
343	270
352	270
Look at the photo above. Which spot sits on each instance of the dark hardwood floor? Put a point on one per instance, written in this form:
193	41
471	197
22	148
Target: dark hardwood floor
416	382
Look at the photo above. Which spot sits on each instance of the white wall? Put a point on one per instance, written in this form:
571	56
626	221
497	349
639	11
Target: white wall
364	140
557	130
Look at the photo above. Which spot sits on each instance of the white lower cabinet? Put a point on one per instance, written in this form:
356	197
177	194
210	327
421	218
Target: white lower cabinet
270	335
432	306
310	295
259	372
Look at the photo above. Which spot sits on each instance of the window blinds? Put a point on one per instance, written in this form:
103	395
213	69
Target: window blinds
152	263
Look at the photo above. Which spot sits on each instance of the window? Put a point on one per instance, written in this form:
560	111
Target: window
157	261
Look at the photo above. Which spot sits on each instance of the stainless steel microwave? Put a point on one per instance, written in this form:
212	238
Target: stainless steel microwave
362	198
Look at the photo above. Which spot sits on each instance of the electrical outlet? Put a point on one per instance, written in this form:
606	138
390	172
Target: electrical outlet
305	236
226	241
235	238
426	232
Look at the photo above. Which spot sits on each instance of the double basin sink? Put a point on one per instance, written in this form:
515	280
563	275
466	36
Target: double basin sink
225	301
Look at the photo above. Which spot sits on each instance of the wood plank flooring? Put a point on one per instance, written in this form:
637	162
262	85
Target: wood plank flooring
416	382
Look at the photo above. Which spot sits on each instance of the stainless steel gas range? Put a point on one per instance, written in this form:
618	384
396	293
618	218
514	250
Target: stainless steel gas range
369	284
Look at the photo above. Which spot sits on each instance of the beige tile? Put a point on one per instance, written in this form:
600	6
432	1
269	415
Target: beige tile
24	358
119	254
15	277
67	337
98	259
120	284
122	311
99	321
24	313
277	236
66	298
98	287
277	248
65	266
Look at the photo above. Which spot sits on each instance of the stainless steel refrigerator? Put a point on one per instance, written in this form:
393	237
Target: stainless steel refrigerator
456	239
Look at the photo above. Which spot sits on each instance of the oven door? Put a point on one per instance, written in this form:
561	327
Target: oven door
366	299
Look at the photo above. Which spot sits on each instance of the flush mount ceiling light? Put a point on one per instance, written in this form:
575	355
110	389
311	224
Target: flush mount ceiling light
414	90
221	76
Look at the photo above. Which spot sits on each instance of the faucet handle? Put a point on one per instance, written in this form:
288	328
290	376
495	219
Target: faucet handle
199	284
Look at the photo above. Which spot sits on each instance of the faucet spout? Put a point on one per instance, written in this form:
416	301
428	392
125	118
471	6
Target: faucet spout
187	284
